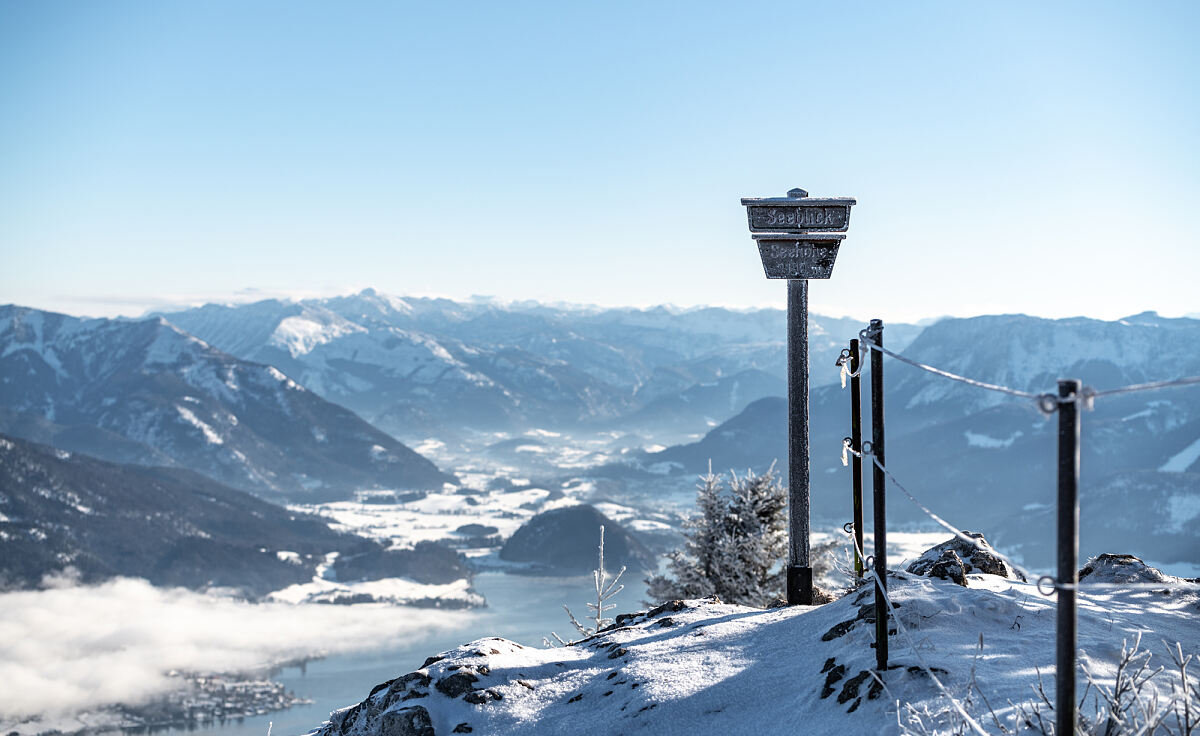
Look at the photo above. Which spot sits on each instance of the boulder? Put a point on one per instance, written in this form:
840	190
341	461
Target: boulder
971	558
1109	568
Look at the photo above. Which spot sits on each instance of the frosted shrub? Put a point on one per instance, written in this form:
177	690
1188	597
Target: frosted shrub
734	547
1142	700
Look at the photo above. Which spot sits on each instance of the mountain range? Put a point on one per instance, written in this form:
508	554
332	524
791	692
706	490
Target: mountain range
145	392
986	460
418	367
304	401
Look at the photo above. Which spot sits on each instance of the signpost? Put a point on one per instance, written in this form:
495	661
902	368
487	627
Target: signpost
798	238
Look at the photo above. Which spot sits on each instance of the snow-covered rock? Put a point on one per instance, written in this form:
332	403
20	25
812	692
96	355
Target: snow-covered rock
939	561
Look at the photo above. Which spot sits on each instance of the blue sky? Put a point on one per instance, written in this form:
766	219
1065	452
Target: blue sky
1017	157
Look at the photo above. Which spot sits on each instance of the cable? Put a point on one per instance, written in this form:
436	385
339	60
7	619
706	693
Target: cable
945	524
1153	386
865	339
891	610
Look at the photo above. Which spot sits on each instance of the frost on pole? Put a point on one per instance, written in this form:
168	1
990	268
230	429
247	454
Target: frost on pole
798	239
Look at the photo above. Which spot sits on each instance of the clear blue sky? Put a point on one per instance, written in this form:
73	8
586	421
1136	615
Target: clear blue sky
1007	157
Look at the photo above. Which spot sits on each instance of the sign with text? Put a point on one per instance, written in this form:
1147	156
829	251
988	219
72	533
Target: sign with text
798	216
798	257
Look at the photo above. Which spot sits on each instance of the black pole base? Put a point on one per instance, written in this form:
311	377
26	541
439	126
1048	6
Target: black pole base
799	586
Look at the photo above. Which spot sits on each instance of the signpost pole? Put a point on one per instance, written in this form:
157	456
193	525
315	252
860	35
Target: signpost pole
799	571
798	239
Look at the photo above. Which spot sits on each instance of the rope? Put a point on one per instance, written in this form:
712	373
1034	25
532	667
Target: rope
866	339
843	362
945	524
1086	588
1153	386
912	645
1047	402
1051	584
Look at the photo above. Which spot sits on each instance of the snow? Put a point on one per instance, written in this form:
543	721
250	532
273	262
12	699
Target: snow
716	668
397	591
534	449
437	515
1181	510
300	335
1182	460
975	439
209	433
169	344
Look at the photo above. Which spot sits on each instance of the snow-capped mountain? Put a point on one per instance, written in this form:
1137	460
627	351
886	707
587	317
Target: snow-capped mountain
413	365
985	460
169	398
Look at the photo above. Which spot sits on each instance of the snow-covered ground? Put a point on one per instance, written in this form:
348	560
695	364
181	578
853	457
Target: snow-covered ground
397	591
715	668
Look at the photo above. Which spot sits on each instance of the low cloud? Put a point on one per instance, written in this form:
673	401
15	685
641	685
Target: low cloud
69	647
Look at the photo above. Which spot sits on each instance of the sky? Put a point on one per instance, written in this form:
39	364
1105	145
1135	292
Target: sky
1006	157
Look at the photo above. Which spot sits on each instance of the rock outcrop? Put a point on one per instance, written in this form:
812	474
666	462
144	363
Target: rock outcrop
954	559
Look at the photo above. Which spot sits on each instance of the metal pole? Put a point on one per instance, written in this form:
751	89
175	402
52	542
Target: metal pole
878	483
855	460
1068	555
799	572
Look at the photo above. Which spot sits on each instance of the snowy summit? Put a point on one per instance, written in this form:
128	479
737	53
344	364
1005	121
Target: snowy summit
700	666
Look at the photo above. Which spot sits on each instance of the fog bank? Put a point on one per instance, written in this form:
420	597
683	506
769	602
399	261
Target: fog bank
71	647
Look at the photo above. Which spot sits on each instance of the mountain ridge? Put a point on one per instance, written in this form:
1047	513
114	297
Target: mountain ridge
168	393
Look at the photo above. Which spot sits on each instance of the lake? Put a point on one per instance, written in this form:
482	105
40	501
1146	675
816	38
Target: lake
521	608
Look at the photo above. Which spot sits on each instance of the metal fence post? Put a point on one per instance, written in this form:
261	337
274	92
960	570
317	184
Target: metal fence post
856	479
1068	554
878	483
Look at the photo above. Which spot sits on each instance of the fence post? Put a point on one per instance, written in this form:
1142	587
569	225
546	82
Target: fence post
878	481
1068	555
856	480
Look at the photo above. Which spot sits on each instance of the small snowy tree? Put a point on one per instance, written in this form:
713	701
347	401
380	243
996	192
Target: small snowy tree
605	589
757	517
693	569
734	546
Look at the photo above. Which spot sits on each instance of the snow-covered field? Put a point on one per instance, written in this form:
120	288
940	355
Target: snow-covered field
959	654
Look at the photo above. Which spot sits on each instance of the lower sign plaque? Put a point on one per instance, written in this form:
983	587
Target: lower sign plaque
798	257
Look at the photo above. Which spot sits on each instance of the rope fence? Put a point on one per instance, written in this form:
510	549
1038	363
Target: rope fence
1069	399
1047	402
